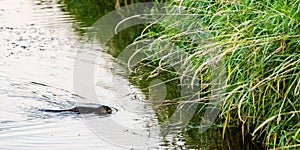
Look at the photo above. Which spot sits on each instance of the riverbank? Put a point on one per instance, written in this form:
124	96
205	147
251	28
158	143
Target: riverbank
254	44
258	46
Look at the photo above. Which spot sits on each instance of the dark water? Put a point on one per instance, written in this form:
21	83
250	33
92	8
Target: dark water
39	42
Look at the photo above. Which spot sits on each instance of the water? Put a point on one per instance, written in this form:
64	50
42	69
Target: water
38	50
38	47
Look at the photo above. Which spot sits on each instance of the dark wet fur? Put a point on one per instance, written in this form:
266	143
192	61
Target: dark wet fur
101	110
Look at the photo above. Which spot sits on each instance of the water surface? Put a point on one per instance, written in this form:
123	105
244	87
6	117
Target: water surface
38	50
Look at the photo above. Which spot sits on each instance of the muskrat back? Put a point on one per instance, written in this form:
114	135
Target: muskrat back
101	110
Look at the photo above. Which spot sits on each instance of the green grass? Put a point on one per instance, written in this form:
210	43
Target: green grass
258	43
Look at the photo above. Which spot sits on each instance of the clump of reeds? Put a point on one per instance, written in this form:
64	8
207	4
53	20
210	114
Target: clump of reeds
257	44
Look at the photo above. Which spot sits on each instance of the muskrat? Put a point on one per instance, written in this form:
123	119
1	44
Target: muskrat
101	110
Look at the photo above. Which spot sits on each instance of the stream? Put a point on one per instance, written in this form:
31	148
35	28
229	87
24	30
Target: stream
38	51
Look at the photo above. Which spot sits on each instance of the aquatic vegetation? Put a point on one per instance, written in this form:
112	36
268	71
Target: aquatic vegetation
258	43
255	43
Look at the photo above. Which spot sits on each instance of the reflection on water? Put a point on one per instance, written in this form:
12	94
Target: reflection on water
38	50
24	127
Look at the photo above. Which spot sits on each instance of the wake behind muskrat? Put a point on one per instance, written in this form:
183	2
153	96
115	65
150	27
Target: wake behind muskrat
101	110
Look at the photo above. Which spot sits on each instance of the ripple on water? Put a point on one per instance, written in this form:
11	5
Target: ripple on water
26	127
22	120
38	48
38	45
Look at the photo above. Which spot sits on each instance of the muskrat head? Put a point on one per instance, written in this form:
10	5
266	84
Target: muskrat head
104	110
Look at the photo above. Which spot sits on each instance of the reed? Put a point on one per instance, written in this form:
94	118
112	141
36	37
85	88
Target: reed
258	43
